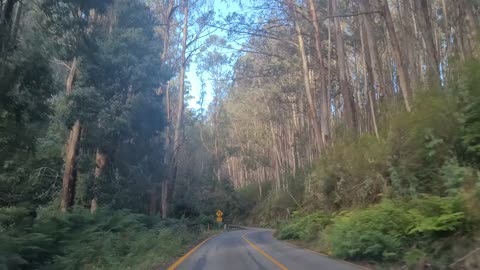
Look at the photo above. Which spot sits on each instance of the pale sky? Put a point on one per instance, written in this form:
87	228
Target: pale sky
221	9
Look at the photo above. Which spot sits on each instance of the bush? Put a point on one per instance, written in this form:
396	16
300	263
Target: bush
304	227
349	174
383	232
420	142
432	215
374	233
469	105
80	240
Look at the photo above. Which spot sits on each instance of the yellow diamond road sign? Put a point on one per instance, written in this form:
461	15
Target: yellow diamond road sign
219	214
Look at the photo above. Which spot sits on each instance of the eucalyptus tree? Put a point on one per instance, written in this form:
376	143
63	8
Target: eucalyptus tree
195	17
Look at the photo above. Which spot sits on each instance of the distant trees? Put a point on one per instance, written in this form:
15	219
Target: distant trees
93	93
317	72
191	20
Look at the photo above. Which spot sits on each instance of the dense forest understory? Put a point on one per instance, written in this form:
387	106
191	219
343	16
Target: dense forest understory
350	127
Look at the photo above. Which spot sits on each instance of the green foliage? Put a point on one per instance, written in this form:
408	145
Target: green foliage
351	173
469	104
304	227
77	240
420	143
373	233
435	214
384	231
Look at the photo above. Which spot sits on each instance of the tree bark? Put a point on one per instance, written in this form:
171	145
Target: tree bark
166	35
312	112
100	162
168	187
71	153
471	22
423	16
153	194
324	99
369	81
379	82
345	88
403	77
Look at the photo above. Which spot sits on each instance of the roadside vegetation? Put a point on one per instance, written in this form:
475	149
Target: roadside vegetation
352	127
81	240
411	197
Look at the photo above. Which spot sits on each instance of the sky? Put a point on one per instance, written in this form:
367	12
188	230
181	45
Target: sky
221	9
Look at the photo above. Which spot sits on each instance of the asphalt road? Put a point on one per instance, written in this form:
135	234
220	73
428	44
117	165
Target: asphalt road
256	250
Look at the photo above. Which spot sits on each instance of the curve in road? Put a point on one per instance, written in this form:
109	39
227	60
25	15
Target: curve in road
254	250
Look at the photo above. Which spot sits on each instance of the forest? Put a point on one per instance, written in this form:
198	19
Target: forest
350	127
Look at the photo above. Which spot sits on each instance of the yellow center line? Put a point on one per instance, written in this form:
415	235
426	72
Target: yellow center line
184	257
281	266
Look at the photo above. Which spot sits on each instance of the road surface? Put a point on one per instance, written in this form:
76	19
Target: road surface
255	250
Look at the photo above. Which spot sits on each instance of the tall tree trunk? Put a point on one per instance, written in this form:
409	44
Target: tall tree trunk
100	162
324	100
370	79
345	88
379	82
312	111
166	35
423	16
153	194
71	151
445	15
472	23
397	54
169	185
215	143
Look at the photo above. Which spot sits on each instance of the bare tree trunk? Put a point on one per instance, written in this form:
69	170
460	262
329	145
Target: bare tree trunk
216	120
372	49
423	16
71	151
329	77
471	22
306	80
370	91
397	54
445	15
169	186
100	162
166	35
167	20
324	100
345	89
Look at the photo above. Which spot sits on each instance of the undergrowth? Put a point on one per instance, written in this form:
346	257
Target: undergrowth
80	240
410	196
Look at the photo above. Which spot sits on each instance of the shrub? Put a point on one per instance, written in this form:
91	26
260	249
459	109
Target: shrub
383	232
80	240
374	233
304	227
469	105
350	174
420	143
432	215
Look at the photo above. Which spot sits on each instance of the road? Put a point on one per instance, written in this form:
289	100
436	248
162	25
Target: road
255	250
